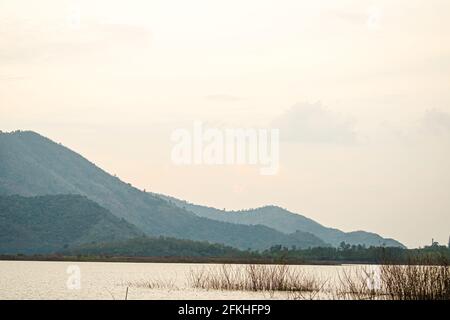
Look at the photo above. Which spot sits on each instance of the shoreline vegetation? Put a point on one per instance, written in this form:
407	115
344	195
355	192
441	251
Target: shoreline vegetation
144	259
417	280
170	250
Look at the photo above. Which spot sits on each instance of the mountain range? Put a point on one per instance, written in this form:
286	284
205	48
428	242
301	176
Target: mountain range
287	222
32	166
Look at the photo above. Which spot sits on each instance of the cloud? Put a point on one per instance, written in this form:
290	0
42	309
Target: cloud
371	17
31	43
11	77
223	98
357	18
431	126
314	123
436	122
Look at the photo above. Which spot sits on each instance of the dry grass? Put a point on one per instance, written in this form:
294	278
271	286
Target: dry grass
150	284
358	283
418	280
255	278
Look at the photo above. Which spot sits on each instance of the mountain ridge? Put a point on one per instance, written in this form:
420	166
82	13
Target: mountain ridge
33	165
286	221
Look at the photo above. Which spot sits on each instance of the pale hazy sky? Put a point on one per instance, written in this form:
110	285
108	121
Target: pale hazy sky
360	91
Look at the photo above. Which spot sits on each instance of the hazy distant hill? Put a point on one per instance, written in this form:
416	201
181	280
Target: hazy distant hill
287	222
49	223
33	165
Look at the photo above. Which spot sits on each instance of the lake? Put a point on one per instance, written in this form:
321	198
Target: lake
110	280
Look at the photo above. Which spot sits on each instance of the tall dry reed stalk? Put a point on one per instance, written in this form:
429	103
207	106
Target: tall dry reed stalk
254	278
418	279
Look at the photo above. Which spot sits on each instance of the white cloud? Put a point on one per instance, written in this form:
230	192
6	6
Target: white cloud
223	97
429	127
436	122
374	16
32	43
314	123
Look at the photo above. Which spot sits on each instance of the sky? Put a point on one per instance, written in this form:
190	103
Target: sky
360	91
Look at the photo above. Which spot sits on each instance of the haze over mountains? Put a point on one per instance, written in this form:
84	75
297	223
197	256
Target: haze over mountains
285	221
32	165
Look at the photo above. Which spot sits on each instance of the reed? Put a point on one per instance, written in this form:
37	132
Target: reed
253	278
150	284
422	279
419	279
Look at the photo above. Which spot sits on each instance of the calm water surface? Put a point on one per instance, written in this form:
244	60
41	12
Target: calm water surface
107	280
